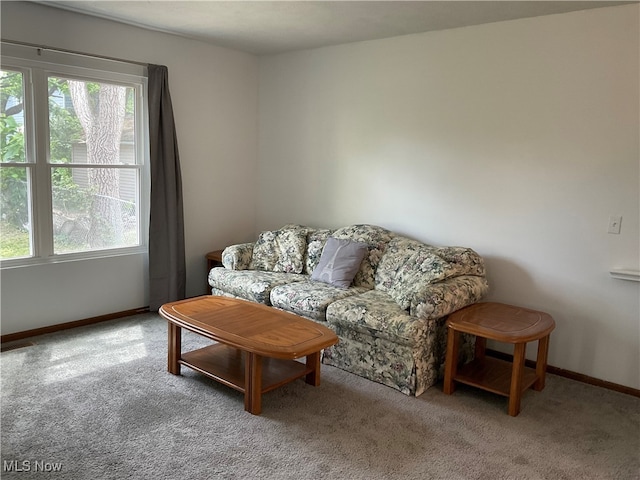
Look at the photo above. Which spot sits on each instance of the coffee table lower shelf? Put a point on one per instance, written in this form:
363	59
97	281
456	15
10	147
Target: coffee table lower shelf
226	365
493	375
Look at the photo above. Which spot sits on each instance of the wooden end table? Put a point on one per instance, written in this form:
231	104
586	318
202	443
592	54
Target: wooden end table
214	259
503	323
256	345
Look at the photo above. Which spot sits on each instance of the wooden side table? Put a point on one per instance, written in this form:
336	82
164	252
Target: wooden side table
214	259
503	323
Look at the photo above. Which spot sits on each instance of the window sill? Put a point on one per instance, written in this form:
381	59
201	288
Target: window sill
71	257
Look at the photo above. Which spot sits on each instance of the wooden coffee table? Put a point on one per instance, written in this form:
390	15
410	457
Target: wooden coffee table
256	345
503	323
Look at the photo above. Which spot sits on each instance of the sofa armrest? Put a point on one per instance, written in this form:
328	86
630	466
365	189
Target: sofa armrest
238	257
440	299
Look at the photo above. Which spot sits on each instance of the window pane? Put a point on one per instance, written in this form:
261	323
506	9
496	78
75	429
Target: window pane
91	122
15	213
94	208
11	116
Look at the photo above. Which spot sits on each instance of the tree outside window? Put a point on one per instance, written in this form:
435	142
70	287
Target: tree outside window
93	170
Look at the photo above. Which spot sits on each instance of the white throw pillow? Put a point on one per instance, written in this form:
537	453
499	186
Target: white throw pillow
339	262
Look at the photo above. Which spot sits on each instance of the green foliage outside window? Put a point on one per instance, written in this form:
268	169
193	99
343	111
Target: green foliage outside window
65	129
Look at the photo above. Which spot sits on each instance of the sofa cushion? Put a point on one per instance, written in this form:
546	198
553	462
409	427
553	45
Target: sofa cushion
340	261
405	264
408	265
316	240
309	299
376	238
251	285
463	260
376	314
280	250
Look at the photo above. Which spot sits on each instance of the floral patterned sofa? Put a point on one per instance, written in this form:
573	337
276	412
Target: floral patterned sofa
390	319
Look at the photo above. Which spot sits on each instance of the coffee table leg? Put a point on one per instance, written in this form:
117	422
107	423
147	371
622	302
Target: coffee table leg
480	348
451	360
515	392
313	362
253	383
541	363
175	341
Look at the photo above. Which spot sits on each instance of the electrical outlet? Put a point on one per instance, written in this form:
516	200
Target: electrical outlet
614	223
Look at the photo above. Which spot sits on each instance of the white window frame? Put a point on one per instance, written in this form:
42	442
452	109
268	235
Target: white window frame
36	66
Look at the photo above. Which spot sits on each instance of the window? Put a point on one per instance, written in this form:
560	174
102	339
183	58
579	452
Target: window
15	173
72	174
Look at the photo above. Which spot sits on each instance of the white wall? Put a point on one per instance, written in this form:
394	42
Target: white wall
517	139
214	93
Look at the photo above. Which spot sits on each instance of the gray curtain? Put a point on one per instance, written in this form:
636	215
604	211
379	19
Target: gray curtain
167	272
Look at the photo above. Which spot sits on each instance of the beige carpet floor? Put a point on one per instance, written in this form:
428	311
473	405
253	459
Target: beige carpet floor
97	403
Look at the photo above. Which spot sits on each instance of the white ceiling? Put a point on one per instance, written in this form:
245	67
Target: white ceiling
268	27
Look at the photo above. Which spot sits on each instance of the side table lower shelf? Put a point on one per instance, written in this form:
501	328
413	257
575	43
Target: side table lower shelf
493	375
